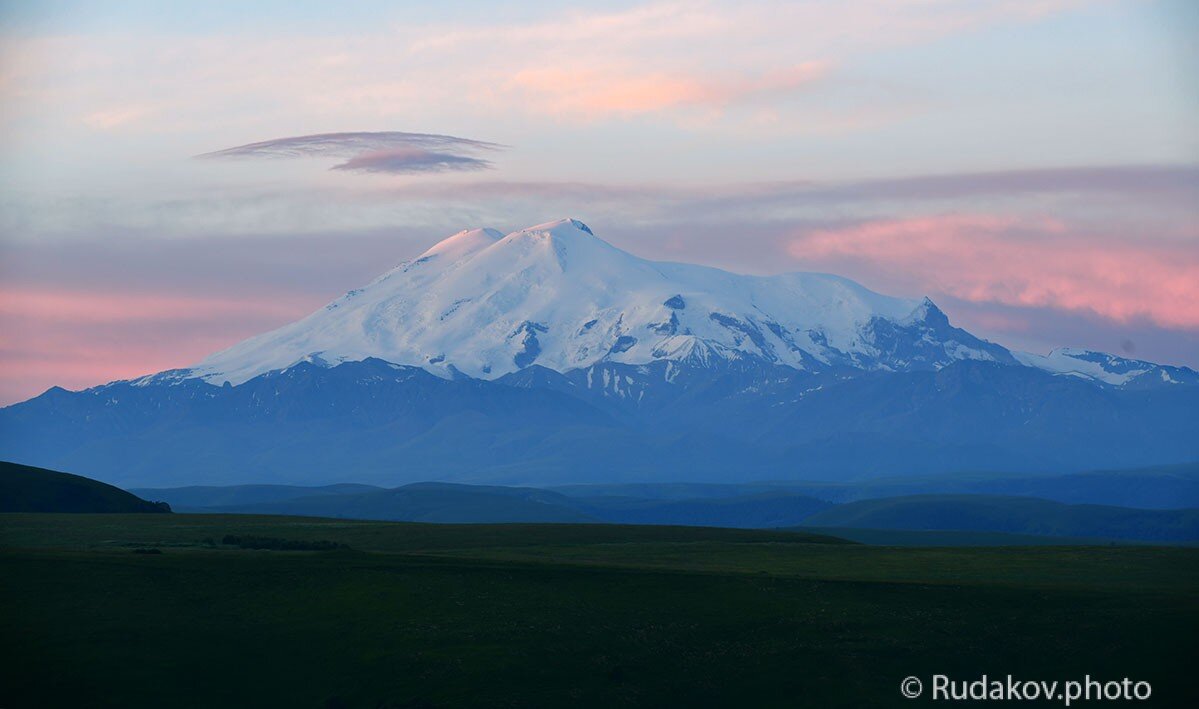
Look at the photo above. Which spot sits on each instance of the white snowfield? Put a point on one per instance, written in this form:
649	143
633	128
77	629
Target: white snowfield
1088	364
557	295
486	304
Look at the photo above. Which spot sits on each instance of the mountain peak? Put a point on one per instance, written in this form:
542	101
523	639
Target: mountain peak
928	312
470	242
464	243
560	226
565	228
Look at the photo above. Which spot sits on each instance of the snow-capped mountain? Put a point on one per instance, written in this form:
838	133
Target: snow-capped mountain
549	356
484	304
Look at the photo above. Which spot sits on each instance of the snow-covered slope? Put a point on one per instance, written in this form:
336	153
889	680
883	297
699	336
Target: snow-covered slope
1106	368
485	304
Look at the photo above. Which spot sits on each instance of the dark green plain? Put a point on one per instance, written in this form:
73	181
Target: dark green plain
416	615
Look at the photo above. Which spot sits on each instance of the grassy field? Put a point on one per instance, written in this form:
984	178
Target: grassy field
561	615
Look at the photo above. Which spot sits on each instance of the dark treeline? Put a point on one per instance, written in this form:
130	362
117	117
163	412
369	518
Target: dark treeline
274	543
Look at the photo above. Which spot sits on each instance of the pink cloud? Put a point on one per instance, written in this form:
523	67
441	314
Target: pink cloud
78	339
67	306
1023	262
604	92
115	117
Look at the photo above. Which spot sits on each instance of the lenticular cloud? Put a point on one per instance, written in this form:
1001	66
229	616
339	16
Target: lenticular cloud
408	160
378	152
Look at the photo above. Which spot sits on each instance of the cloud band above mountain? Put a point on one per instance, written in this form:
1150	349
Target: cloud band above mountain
391	152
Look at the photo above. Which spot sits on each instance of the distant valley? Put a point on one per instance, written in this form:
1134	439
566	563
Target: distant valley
870	505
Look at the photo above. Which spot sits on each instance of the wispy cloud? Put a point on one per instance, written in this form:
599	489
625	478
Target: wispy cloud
386	152
669	59
1145	197
604	92
677	58
1177	185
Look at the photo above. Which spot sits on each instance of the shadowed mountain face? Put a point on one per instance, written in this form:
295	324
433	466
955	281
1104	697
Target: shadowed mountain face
548	356
377	423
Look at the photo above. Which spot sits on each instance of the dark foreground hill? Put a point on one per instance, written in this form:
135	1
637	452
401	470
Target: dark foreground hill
28	489
1018	515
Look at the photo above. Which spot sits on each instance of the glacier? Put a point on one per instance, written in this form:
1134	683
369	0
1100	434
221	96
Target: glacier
485	304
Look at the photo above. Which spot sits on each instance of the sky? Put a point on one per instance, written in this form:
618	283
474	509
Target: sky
175	177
